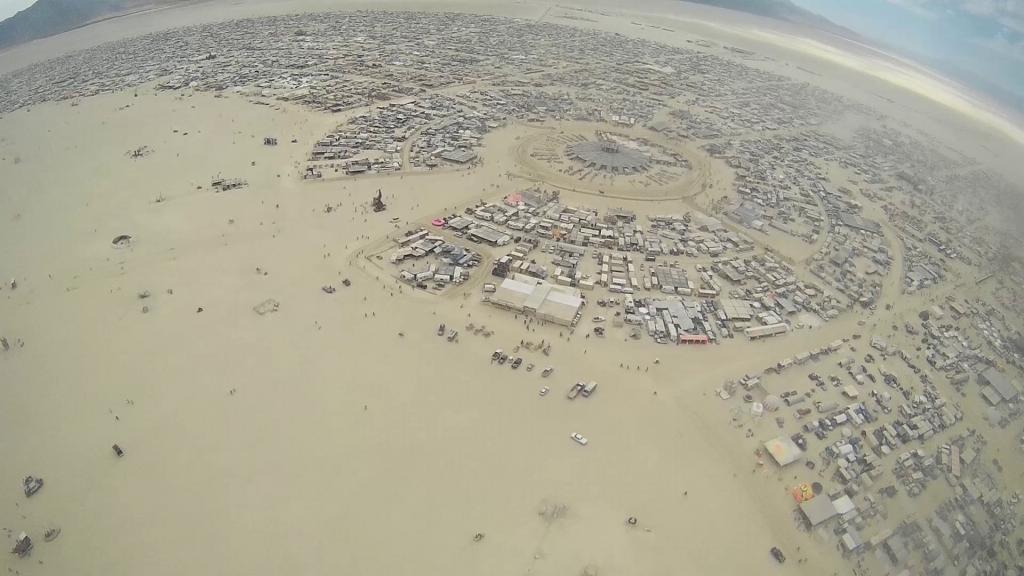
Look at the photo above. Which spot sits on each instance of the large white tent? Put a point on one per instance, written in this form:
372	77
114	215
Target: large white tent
548	302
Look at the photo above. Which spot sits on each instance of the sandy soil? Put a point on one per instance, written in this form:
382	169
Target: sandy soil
343	441
344	447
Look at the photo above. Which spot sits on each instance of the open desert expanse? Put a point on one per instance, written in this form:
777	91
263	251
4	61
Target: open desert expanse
337	432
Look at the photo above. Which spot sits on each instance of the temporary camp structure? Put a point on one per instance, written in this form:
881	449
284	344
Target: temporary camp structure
783	450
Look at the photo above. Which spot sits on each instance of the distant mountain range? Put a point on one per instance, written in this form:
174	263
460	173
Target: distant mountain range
49	17
785	11
980	82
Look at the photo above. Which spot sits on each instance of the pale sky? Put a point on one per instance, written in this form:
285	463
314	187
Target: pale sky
977	42
9	7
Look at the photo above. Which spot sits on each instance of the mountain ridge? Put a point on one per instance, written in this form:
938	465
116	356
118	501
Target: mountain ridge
783	10
49	17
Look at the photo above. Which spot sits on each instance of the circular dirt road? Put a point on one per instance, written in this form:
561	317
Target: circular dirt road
698	179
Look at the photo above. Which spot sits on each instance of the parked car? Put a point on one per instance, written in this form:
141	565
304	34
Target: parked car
575	390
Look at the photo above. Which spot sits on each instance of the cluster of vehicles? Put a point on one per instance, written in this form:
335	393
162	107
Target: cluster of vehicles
579	388
501	358
584	388
862	376
858	414
453	335
919	418
31	485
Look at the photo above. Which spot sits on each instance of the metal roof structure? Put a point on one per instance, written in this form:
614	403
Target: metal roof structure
844	504
747	212
677	310
674	277
818	510
786	304
1000	383
490	235
852	539
736	309
459	223
989	393
851	220
608	155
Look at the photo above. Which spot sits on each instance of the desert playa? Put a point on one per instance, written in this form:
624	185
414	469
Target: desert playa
194	271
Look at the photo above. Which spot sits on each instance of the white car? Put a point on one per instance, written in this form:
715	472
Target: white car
579	438
544	391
